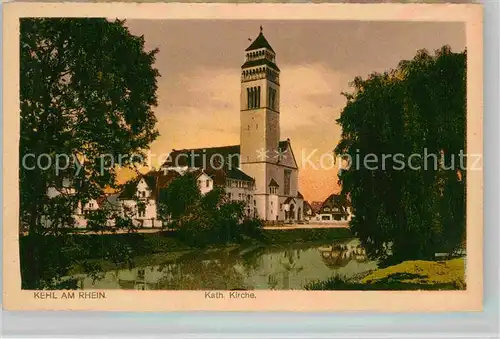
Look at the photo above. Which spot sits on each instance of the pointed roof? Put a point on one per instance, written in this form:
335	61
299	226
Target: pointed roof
273	183
259	42
155	180
195	158
260	62
335	201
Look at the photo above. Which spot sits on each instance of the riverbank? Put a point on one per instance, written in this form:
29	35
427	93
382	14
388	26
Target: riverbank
408	275
77	253
83	231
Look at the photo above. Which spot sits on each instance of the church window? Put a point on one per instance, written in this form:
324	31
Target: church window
258	97
272	98
286	183
207	183
248	98
248	128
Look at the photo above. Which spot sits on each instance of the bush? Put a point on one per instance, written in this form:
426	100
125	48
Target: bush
252	228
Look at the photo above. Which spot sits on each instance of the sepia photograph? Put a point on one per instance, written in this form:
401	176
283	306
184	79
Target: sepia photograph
232	156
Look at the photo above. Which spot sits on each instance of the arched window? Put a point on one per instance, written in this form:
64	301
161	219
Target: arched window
272	98
248	98
258	96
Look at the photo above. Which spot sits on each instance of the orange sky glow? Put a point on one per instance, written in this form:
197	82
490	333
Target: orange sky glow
199	89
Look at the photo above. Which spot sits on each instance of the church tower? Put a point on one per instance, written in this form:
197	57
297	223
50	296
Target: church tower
260	118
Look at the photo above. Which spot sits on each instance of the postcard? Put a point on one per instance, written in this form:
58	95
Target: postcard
250	157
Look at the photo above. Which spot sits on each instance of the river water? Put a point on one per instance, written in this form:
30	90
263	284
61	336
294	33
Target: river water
273	267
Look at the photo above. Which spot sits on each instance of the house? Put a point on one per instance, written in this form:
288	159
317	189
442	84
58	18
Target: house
334	208
81	209
139	198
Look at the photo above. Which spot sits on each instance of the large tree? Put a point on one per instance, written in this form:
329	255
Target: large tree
87	89
417	109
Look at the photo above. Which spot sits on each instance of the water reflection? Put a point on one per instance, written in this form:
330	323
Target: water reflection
279	268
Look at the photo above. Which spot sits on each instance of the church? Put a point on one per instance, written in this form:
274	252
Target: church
261	170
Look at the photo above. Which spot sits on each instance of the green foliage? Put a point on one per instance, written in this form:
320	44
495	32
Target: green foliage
418	108
207	219
97	220
179	197
87	88
408	275
46	260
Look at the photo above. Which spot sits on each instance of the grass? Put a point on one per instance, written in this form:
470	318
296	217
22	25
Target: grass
408	275
420	272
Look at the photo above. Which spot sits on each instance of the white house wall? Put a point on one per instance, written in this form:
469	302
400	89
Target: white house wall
205	183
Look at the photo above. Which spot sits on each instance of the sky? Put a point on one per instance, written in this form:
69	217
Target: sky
199	88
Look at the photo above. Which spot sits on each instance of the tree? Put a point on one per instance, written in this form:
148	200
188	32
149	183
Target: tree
418	108
205	219
87	91
179	198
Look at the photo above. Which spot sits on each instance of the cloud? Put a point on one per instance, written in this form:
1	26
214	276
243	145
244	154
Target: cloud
311	95
197	109
201	108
